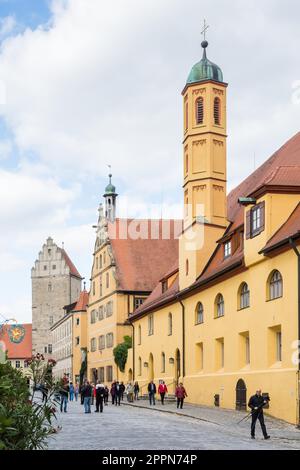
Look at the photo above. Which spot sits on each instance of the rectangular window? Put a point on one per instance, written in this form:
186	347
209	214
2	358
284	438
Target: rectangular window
101	286
109	373
278	346
227	249
94	288
107	280
109	309
45	349
109	340
54	267
51	320
138	301
101	342
101	374
77	340
50	348
77	321
45	268
219	354
247	352
93	344
96	262
93	316
25	364
150	325
199	356
18	364
255	220
164	286
101	313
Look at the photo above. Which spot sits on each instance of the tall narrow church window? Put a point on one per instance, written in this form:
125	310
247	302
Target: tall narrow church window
217	111
199	313
199	110
163	362
186	116
186	164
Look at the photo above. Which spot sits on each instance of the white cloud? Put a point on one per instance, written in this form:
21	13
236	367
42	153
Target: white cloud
6	148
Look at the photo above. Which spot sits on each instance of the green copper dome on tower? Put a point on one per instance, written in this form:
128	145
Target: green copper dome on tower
110	188
205	69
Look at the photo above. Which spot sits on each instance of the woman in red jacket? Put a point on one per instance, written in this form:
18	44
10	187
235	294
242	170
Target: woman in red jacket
162	390
180	395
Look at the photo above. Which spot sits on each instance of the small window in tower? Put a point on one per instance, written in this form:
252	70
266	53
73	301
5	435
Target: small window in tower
186	116
217	111
199	110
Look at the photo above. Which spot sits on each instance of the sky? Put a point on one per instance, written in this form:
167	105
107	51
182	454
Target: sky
88	83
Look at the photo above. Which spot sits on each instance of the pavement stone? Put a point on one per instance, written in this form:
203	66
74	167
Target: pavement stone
137	426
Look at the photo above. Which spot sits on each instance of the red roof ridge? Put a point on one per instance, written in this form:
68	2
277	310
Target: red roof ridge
70	264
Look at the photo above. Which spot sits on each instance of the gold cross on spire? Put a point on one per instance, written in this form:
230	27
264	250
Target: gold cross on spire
205	28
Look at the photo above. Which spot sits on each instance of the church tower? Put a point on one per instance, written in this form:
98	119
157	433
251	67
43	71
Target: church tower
55	284
110	197
204	157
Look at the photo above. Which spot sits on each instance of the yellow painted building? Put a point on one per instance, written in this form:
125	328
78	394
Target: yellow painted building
225	320
127	264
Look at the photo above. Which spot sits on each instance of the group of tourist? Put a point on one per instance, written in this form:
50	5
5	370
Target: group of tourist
180	393
98	394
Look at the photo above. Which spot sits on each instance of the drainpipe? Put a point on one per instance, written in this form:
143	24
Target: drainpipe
133	352
183	335
297	252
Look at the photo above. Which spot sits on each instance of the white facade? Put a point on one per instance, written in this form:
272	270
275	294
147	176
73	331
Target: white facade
62	337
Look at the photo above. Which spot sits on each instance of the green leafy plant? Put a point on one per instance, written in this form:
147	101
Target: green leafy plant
121	352
26	420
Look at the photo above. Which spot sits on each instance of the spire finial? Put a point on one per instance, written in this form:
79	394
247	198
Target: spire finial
84	285
204	43
110	174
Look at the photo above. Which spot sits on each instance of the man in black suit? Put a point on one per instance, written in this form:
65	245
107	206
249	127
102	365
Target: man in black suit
152	392
256	403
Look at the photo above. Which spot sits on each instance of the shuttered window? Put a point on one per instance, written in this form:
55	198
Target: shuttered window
217	111
199	110
255	220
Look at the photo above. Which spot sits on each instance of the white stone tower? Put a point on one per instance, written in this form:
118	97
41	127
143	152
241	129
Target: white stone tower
55	284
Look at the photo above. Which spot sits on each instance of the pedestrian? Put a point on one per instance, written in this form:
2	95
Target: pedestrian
122	387
162	390
81	394
180	394
257	403
136	390
118	394
100	392
152	392
64	394
76	391
129	392
113	392
93	393
87	391
44	390
106	395
72	390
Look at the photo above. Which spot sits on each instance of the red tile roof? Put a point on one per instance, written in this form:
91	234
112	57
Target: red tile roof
289	229
141	262
22	350
73	269
82	303
281	169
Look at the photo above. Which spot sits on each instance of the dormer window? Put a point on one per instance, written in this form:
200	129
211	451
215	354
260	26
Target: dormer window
255	220
227	249
164	286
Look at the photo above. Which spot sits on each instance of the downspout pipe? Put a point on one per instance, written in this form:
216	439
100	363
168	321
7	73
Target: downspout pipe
133	351
183	335
297	252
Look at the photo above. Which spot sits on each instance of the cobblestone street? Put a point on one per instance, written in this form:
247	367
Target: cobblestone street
138	427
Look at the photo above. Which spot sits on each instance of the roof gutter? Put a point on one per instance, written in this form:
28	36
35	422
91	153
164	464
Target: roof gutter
280	244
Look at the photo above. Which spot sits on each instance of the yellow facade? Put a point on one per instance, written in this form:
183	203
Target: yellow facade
107	318
211	353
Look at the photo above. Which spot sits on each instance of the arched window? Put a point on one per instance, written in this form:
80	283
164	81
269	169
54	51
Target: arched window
219	306
275	285
186	163
140	335
217	111
170	324
163	362
244	296
140	366
199	313
186	116
199	110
